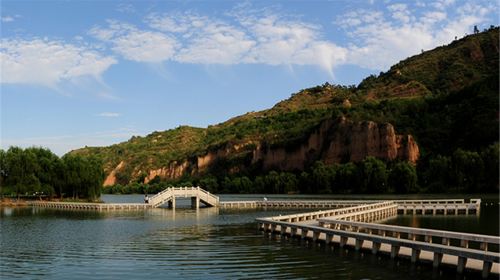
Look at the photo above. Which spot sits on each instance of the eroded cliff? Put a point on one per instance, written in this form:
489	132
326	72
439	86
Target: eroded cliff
334	141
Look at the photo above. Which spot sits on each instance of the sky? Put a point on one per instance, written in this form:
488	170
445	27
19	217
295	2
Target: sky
95	73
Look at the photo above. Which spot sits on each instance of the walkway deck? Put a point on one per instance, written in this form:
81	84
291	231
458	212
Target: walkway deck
349	223
420	207
90	206
353	227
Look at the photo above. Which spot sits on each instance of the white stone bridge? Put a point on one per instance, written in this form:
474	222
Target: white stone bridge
196	194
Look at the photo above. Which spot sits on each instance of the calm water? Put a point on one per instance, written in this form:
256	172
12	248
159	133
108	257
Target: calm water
189	244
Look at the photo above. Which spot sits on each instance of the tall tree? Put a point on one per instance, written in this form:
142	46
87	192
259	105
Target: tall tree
373	175
403	178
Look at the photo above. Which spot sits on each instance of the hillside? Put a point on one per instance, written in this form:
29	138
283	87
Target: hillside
427	105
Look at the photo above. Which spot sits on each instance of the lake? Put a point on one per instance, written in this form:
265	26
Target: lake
206	244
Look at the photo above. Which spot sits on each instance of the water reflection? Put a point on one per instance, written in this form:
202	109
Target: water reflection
185	243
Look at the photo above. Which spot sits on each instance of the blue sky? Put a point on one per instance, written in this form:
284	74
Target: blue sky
77	73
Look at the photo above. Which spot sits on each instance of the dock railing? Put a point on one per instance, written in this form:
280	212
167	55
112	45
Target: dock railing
449	238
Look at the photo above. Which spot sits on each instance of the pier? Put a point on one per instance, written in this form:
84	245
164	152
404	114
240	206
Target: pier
167	196
89	206
348	223
354	227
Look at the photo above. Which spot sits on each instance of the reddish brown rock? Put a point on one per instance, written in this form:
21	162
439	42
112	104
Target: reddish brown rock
172	171
335	141
111	178
342	141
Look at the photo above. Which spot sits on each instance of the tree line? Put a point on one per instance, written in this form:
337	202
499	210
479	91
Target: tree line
39	171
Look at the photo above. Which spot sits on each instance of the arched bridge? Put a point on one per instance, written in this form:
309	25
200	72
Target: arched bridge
197	195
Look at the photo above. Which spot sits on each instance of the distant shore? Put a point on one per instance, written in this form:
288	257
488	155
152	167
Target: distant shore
13	202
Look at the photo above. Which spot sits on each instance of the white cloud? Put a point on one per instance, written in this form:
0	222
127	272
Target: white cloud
136	45
7	19
400	12
204	40
125	8
177	23
109	114
380	42
442	4
47	63
244	37
262	38
380	37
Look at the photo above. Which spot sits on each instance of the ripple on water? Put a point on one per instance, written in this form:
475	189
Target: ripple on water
161	245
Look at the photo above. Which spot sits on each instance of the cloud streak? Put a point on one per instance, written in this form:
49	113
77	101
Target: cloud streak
109	114
380	42
46	62
7	19
134	44
244	38
379	37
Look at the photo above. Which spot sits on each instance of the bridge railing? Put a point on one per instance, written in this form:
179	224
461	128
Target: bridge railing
328	213
168	193
160	197
438	250
382	211
430	201
210	198
449	238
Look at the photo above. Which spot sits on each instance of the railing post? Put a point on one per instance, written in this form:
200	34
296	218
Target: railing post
266	227
283	230
273	228
328	238
359	244
394	251
486	269
415	255
438	257
461	264
343	241
428	238
375	247
303	233
315	235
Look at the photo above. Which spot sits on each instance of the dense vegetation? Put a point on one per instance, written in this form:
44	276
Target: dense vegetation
39	171
446	98
463	171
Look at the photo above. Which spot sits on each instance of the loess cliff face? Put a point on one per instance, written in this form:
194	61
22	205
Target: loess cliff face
334	141
342	141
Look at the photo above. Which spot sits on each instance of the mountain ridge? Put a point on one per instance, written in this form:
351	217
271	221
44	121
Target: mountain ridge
384	100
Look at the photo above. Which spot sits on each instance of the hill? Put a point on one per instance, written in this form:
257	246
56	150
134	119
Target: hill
424	108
